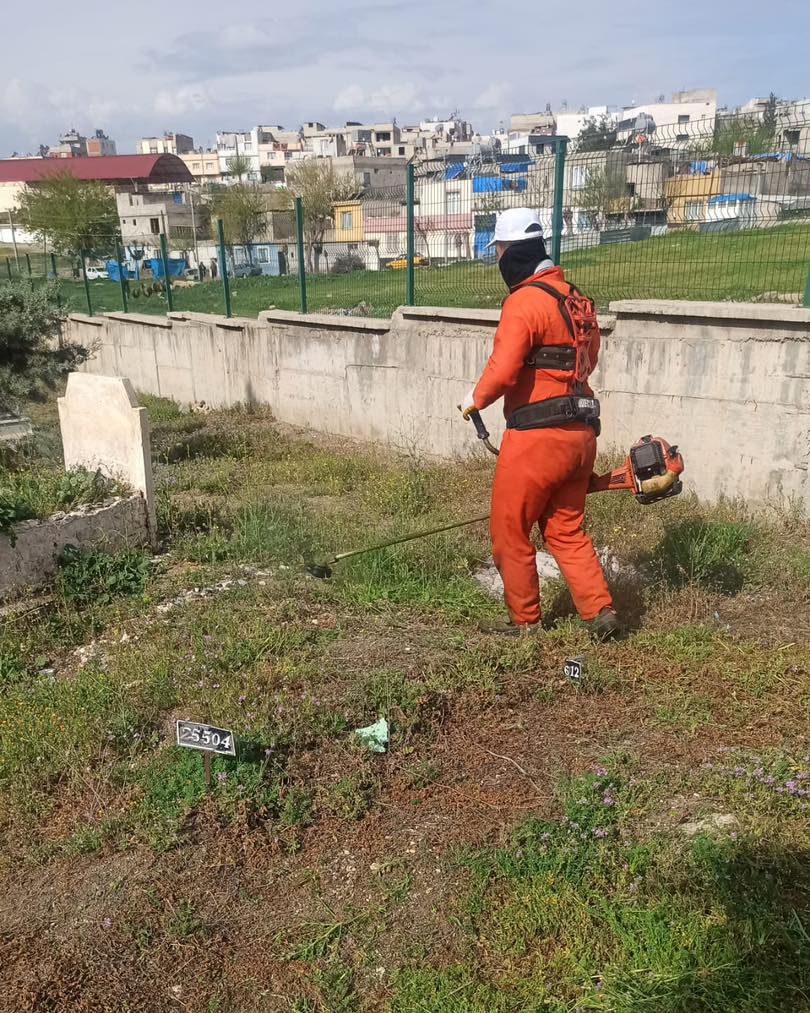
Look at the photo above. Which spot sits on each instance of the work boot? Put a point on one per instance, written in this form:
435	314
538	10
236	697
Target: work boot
506	628
606	625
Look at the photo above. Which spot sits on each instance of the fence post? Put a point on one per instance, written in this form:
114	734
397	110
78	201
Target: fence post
164	256
410	287
559	186
299	235
8	268
54	272
83	257
806	290
223	268
28	267
121	277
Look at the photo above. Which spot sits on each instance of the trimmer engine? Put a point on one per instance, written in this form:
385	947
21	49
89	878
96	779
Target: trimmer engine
651	472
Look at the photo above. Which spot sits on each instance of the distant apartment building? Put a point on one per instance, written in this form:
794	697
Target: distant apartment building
242	143
72	144
144	217
532	123
168	144
203	165
688	114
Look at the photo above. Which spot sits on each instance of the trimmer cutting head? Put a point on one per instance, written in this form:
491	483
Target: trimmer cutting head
319	570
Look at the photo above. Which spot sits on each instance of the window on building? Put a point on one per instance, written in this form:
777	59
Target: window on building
196	166
154	225
402	150
683	119
693	211
135	221
682	137
366	179
631	189
346	221
263	254
454	202
384	135
792	138
153	149
579	177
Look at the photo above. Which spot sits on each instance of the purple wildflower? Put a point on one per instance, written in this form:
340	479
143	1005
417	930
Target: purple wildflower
107	924
791	786
242	700
740	771
600	832
601	772
221	777
608	799
545	837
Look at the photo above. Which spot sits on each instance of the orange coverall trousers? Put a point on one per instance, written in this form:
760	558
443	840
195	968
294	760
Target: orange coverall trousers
542	478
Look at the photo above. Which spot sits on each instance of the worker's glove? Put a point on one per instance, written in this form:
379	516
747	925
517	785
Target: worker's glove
467	406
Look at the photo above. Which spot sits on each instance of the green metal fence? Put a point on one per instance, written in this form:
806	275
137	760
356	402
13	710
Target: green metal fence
691	211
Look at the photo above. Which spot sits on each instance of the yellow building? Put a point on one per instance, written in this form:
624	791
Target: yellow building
688	197
348	223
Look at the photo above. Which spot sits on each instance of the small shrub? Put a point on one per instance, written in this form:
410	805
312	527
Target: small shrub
708	553
347	263
99	576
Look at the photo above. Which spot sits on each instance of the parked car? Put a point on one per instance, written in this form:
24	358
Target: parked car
97	274
401	262
247	271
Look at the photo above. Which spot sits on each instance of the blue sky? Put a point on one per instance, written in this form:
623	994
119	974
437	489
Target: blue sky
199	67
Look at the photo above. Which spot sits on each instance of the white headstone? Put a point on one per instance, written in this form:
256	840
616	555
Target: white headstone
104	429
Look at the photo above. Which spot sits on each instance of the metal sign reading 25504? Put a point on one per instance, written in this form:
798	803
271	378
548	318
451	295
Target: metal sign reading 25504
193	735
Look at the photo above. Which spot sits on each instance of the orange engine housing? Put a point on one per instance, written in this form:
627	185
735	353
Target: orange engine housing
651	471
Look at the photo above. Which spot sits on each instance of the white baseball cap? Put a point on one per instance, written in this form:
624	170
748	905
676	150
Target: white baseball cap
516	224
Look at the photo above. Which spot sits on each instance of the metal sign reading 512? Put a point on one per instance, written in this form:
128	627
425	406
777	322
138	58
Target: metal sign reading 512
193	735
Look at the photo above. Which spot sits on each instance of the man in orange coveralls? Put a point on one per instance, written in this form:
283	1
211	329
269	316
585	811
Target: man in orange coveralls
546	460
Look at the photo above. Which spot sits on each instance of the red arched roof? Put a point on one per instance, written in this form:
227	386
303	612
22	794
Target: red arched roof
105	169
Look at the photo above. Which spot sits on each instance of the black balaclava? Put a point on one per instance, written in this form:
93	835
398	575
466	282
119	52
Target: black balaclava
520	261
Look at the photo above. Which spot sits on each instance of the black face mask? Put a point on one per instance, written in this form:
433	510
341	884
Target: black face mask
520	261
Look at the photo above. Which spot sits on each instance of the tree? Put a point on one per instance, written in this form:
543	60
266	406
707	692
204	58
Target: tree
71	214
603	193
238	165
769	115
243	210
597	134
315	181
30	360
742	135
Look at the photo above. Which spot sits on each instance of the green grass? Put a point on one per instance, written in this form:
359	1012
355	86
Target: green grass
484	862
681	265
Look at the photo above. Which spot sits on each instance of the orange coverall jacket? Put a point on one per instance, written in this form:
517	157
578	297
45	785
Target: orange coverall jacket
542	475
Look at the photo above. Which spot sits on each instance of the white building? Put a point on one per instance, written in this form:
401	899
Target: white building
168	144
243	143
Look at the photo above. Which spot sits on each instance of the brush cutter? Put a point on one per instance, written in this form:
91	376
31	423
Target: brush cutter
651	471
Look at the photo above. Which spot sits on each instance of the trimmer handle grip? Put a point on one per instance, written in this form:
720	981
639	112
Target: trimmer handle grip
480	428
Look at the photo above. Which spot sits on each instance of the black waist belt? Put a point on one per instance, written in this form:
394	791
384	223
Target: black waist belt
553	357
556	411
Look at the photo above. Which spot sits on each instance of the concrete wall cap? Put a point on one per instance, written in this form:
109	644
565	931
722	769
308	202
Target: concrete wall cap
376	325
140	318
744	311
84	318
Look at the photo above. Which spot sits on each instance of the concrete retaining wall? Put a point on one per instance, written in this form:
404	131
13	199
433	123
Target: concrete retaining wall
730	383
32	560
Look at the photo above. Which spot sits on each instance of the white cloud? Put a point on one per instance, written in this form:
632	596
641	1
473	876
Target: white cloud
394	99
493	97
187	98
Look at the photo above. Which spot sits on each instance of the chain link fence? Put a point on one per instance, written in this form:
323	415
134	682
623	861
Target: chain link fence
701	211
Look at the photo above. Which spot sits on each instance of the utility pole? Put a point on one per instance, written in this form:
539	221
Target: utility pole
194	230
14	239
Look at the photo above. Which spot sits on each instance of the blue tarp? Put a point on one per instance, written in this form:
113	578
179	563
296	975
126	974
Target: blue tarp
514	166
112	271
454	171
730	198
177	268
699	168
483	237
494	184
